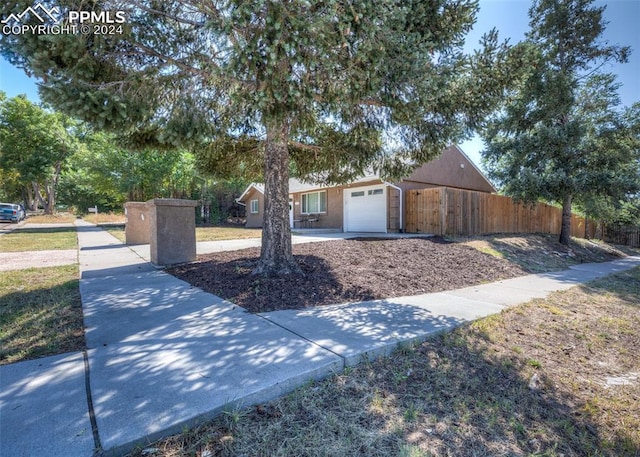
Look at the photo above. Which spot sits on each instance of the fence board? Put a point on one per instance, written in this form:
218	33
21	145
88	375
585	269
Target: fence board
446	211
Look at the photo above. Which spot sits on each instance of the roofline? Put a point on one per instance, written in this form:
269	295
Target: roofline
349	184
246	191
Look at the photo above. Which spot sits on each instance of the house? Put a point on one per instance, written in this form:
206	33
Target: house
368	204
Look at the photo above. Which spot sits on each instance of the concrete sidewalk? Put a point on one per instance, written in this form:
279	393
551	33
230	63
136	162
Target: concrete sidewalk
162	354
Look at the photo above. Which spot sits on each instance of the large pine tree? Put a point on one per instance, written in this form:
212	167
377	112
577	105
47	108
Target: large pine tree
336	86
562	134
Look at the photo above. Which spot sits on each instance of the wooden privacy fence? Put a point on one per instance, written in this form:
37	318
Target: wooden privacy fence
622	234
445	211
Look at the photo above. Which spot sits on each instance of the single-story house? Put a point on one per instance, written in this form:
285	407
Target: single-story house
368	204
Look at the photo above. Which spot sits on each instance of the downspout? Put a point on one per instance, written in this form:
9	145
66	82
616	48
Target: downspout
401	204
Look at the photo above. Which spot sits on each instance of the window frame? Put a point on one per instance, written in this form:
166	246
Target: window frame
255	210
304	204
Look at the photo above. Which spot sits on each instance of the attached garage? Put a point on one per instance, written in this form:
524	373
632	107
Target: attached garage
365	209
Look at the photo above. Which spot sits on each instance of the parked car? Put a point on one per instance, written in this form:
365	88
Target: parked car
11	212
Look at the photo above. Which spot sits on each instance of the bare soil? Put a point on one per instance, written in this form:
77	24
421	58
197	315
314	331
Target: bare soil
343	271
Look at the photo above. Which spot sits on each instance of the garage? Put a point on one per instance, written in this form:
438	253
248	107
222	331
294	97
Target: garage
365	209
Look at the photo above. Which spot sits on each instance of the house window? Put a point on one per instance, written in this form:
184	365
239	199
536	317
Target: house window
375	192
314	202
254	206
359	193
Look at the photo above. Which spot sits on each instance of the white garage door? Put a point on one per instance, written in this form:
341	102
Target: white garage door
365	209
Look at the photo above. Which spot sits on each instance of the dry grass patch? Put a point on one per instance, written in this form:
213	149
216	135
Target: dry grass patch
116	230
539	253
202	233
226	233
39	239
105	218
57	218
554	377
40	313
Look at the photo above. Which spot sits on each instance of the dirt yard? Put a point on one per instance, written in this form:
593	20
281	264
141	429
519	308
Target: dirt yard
343	271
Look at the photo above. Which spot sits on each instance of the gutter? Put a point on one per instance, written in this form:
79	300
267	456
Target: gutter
401	204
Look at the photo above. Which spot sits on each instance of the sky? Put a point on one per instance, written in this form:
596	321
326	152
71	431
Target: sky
509	17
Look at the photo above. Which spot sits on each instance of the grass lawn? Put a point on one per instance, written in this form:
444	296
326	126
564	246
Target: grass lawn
40	313
553	377
39	239
202	233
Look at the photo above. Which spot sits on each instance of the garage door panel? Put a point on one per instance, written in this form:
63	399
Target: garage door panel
366	209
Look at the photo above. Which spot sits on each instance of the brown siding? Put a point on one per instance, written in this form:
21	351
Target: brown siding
254	220
447	171
393	210
331	219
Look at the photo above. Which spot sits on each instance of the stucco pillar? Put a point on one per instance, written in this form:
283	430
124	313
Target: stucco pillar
173	230
137	229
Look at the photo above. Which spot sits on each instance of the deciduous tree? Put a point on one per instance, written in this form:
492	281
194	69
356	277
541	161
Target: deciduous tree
34	144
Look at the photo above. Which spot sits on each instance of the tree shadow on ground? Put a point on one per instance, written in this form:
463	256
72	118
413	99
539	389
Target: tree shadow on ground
624	285
233	280
41	322
446	397
342	271
451	395
537	253
42	230
480	403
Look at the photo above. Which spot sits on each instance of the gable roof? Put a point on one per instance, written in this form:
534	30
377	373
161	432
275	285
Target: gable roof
257	186
295	185
452	168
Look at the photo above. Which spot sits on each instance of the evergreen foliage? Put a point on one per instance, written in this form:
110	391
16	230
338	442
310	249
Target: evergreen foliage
337	87
562	134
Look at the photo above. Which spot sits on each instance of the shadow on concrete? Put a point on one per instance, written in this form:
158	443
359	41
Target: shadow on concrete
44	408
164	354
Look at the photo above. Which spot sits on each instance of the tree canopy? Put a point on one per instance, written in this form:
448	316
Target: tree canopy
103	173
338	87
562	134
34	144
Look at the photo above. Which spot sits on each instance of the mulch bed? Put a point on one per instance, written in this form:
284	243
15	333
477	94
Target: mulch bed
343	271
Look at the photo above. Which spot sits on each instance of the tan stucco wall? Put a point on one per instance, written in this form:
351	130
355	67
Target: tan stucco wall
137	229
173	230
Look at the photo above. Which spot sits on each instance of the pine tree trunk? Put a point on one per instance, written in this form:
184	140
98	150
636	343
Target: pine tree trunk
276	258
565	230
